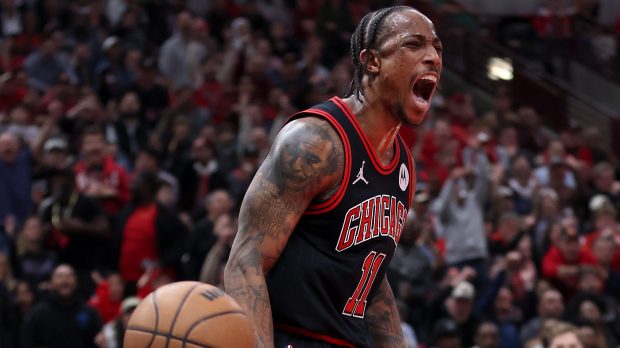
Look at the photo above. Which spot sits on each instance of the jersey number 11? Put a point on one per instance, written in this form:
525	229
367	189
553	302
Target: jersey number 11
356	304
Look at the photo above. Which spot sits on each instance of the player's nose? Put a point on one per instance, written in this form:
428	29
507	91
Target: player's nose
432	57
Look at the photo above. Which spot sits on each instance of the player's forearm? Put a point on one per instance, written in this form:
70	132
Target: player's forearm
383	320
245	282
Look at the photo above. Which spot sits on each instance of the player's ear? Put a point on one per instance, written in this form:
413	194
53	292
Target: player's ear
370	59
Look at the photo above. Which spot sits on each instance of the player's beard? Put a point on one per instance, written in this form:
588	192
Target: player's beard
399	110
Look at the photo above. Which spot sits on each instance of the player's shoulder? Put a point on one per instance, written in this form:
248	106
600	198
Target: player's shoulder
314	132
307	151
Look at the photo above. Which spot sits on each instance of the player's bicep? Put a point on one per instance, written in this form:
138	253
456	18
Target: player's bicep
304	162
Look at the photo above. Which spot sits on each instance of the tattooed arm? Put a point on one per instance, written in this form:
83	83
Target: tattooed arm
305	164
383	320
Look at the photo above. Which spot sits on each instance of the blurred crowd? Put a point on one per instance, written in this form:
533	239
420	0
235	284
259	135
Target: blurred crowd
130	131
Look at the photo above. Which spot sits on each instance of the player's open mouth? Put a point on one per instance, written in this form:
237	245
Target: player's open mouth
423	88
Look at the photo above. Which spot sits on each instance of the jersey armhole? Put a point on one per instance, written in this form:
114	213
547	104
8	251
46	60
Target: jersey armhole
334	200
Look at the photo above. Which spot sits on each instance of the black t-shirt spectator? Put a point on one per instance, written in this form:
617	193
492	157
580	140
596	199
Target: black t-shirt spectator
55	324
82	251
153	101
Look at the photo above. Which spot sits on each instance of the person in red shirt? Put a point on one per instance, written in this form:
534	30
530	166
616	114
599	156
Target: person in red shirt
108	296
98	175
605	223
151	235
564	261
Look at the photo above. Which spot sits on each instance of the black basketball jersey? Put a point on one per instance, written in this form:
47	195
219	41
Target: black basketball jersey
337	256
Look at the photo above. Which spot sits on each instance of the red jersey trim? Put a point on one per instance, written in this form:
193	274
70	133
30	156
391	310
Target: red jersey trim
314	335
333	201
412	173
385	170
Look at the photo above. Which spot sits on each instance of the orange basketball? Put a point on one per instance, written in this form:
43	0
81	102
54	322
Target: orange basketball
191	315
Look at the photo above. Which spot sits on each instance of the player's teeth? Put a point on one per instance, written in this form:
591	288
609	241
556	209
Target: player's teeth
429	78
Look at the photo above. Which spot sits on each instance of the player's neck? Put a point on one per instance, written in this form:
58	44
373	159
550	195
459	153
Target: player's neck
380	126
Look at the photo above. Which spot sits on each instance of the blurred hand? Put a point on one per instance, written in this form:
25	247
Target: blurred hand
54	109
100	340
468	273
96	277
458	172
529	221
513	261
10	225
497	173
565	271
615	188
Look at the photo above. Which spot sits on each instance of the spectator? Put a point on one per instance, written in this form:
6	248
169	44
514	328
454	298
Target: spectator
20	124
79	228
550	306
98	175
592	309
35	261
224	229
81	64
411	271
15	183
7	322
112	77
129	31
459	308
153	97
506	316
604	183
180	56
446	334
147	161
487	335
507	145
239	179
334	24
460	210
47	65
127	131
200	175
507	235
409	335
523	184
203	237
6	275
563	262
114	331
108	295
23	302
555	158
544	220
563	335
56	154
63	320
151	236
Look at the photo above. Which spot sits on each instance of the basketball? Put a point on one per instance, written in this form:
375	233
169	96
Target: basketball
188	314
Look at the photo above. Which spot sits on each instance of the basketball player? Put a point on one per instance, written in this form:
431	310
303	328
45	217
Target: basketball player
323	215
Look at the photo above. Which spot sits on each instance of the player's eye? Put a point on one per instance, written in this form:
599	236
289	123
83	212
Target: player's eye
414	44
439	49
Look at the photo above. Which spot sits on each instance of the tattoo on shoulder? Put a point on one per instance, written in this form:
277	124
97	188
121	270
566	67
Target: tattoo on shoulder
307	154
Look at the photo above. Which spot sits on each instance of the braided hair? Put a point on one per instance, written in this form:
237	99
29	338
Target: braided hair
365	37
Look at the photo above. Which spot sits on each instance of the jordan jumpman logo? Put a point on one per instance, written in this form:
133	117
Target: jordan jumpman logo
360	175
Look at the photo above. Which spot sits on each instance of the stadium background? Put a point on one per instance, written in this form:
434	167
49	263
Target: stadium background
131	129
